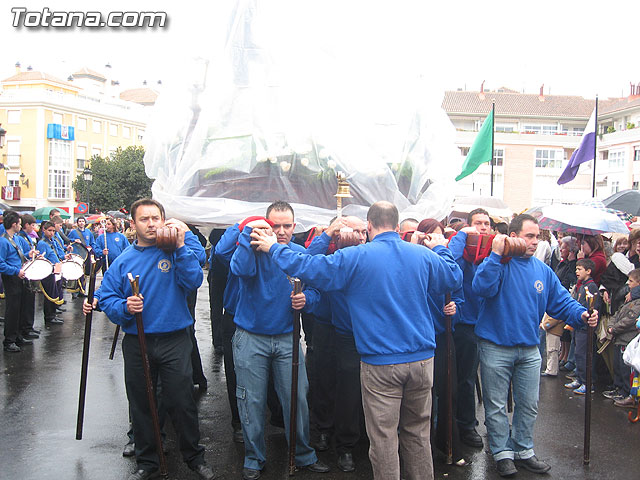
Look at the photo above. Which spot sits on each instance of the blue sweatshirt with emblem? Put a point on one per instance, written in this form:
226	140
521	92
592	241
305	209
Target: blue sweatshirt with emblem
165	281
10	261
264	305
223	252
89	240
116	244
516	296
386	283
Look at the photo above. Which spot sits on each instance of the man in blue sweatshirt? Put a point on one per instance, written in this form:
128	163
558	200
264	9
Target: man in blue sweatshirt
386	283
165	281
262	341
516	295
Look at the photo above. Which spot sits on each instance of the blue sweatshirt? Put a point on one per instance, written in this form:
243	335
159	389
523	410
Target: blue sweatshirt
386	283
437	305
264	305
58	245
10	261
165	281
89	241
516	296
116	244
49	250
223	253
468	313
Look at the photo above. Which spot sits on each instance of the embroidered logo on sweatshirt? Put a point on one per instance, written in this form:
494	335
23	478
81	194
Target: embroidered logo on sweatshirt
164	265
539	286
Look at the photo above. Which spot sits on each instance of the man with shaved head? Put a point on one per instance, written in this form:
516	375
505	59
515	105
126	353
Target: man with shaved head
385	283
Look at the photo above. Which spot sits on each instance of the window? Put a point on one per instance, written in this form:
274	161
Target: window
57	118
97	126
81	157
96	151
549	129
616	159
126	132
615	187
82	124
498	157
578	131
12	158
464	151
504	128
532	129
13	180
635	185
13	116
549	158
140	135
113	129
60	155
636	154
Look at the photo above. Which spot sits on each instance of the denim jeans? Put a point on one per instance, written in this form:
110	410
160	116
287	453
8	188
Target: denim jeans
500	366
255	357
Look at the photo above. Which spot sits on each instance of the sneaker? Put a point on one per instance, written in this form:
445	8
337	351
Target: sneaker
628	402
547	374
573	385
571	375
620	396
611	393
582	390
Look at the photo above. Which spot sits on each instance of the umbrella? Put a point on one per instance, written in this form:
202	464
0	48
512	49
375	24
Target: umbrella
494	206
96	217
116	214
626	200
593	203
43	213
577	219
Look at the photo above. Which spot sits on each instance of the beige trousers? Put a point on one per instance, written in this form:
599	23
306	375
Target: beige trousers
397	410
553	352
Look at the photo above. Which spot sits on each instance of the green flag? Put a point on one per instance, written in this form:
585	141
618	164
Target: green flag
480	151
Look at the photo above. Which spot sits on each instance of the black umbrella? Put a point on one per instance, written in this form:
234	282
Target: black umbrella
116	214
627	201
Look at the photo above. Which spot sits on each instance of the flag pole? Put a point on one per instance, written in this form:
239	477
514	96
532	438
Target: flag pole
595	152
493	123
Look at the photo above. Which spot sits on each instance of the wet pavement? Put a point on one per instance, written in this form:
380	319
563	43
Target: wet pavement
39	399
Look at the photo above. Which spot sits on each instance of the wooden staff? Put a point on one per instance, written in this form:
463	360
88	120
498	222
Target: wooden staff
85	351
295	361
449	384
587	395
114	342
135	288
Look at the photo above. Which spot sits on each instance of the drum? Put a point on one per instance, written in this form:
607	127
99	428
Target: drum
79	250
73	267
478	247
167	239
36	270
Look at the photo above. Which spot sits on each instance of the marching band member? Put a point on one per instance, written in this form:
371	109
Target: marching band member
52	251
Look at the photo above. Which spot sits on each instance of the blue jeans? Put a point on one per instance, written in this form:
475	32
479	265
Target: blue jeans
255	358
500	366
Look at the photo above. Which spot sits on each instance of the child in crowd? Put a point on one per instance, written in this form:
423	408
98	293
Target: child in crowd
585	285
623	329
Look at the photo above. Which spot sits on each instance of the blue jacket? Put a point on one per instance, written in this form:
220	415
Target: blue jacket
58	244
10	261
116	244
468	313
264	305
89	241
165	281
49	250
516	296
223	253
386	283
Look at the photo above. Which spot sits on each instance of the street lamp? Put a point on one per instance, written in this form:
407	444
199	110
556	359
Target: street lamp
87	175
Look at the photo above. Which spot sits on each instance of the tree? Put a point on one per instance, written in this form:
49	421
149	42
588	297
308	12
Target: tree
117	182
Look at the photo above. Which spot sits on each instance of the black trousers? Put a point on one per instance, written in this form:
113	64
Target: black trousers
19	308
196	361
324	378
54	290
348	405
467	360
170	360
217	285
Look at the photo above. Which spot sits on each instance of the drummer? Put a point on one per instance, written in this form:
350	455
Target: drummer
116	242
19	306
53	291
85	237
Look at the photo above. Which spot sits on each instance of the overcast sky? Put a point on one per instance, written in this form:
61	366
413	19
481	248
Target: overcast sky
571	47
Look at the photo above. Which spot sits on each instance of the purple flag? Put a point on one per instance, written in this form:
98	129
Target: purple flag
584	153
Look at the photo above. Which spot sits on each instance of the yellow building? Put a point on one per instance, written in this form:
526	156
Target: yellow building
54	127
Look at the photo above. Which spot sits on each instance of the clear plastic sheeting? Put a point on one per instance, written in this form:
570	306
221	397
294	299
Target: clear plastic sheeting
265	120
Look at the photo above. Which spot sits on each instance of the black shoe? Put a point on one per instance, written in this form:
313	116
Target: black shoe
33	330
202	385
12	347
506	467
30	334
322	445
20	341
471	438
317	467
60	310
250	474
533	465
346	463
204	471
237	434
74	295
54	321
129	450
144	474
